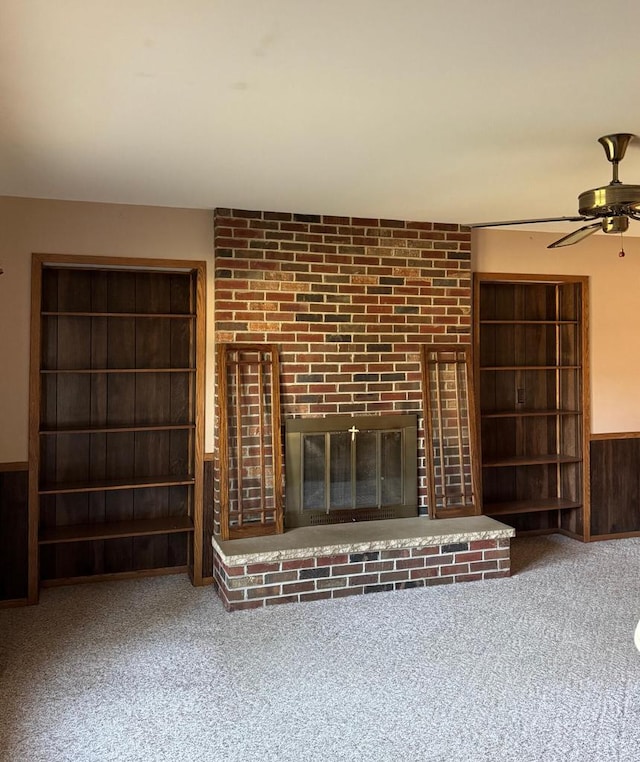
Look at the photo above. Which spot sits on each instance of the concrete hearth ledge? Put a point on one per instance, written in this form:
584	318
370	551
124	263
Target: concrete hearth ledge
361	536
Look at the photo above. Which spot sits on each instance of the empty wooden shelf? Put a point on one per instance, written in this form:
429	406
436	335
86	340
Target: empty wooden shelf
529	506
113	530
530	343
114	429
529	460
529	413
115	484
116	419
101	371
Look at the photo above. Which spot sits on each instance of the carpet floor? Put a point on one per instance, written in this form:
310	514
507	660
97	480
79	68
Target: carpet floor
540	666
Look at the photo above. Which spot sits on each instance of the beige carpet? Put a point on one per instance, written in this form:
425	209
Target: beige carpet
541	666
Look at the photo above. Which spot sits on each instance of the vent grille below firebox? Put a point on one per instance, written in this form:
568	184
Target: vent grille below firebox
334	518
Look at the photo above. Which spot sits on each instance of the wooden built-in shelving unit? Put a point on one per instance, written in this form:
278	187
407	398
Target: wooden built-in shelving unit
532	393
116	419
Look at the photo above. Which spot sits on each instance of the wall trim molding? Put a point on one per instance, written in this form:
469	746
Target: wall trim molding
17	466
618	435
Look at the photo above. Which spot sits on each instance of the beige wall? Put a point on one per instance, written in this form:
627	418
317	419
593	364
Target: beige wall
68	227
614	285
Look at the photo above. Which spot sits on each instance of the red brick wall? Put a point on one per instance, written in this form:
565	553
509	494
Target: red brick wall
254	585
348	300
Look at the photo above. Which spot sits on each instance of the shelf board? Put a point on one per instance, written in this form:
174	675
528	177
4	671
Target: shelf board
115	429
170	315
531	367
529	413
110	485
528	322
529	506
117	370
529	460
115	529
154	571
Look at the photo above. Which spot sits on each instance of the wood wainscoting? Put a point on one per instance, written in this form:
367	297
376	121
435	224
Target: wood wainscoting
14	492
615	485
615	507
207	518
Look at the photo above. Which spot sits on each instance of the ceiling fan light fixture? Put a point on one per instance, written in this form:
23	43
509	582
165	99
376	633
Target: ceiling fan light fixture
617	224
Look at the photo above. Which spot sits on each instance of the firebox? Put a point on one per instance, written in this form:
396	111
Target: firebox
350	468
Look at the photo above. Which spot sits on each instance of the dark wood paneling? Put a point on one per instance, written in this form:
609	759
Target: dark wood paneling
615	486
543	521
13	534
512	301
69	560
73	560
207	550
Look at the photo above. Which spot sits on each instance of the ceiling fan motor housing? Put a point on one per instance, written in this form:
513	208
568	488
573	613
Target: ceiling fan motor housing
611	200
619	224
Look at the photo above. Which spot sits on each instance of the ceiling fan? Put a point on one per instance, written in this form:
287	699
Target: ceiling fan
612	205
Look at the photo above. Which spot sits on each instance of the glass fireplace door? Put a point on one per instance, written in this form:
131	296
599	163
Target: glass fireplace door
355	473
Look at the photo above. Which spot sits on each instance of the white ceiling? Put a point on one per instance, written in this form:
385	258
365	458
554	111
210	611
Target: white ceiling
445	110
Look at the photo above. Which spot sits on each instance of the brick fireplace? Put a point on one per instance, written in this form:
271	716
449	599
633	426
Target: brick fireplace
348	301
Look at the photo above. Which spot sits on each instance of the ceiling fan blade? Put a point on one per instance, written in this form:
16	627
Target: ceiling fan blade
576	236
527	222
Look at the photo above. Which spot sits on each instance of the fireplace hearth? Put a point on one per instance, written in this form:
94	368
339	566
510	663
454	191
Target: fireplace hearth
350	468
316	563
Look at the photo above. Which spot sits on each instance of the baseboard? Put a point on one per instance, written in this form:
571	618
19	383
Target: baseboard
572	535
12	603
618	536
114	576
534	532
